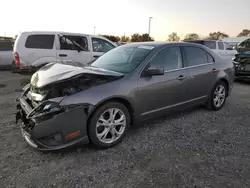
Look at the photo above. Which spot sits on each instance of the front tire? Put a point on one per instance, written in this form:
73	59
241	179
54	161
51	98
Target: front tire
217	96
109	124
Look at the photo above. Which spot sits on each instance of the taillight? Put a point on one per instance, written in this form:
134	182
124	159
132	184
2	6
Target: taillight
17	59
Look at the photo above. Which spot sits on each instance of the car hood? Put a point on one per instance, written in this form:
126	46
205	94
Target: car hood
56	72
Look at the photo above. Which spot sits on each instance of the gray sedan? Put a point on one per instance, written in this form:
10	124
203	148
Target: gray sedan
65	104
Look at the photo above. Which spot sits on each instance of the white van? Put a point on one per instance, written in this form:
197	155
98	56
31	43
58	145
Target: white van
218	46
34	49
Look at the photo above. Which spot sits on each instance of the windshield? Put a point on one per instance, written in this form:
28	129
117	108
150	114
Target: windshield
123	59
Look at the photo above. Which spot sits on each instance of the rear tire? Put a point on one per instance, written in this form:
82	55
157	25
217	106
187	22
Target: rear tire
217	96
109	124
13	67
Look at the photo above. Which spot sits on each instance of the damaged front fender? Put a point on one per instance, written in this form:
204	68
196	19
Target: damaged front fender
50	129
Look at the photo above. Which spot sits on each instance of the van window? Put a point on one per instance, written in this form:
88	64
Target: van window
100	45
227	46
207	43
40	41
221	45
6	45
69	42
210	44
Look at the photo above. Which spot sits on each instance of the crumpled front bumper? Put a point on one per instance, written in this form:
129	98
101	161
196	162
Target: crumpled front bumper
54	131
242	74
242	71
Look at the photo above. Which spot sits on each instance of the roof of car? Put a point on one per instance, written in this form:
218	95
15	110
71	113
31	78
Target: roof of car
159	44
202	40
60	32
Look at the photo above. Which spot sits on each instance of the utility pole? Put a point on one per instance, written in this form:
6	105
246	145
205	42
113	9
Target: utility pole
149	27
94	30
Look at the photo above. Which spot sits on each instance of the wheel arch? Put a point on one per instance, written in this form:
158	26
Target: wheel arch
121	100
226	82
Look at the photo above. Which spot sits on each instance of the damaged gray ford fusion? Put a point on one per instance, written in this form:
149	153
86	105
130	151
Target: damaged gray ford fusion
65	104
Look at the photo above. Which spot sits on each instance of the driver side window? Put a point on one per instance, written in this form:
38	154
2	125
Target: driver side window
100	45
169	58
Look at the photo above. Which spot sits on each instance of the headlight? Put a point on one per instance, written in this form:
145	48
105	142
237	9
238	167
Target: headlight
26	87
235	63
46	108
50	106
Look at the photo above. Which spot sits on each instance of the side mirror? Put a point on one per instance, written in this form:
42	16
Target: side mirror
229	48
154	71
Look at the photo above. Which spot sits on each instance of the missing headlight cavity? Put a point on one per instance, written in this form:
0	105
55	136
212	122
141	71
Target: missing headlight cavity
73	85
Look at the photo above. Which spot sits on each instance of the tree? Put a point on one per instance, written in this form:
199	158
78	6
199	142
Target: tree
124	38
146	37
244	33
217	35
192	36
136	37
141	38
112	38
173	37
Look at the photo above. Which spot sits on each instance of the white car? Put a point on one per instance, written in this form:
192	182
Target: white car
34	49
218	46
6	56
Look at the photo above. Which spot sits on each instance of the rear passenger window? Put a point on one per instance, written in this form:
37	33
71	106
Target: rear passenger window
40	41
221	45
195	56
210	58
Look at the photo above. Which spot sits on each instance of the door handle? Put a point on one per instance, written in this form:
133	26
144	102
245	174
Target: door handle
96	56
181	77
62	55
214	70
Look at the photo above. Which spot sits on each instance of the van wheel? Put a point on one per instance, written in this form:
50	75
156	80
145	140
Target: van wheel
109	124
13	67
217	97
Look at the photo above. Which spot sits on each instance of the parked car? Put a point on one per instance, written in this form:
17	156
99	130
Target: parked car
234	41
243	46
33	50
6	56
242	65
66	104
221	48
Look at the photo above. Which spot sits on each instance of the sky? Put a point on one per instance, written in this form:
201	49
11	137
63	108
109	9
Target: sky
119	17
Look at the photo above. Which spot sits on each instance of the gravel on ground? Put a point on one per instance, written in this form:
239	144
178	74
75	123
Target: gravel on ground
196	148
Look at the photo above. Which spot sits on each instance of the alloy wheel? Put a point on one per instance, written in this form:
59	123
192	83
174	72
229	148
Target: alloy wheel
110	125
219	96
